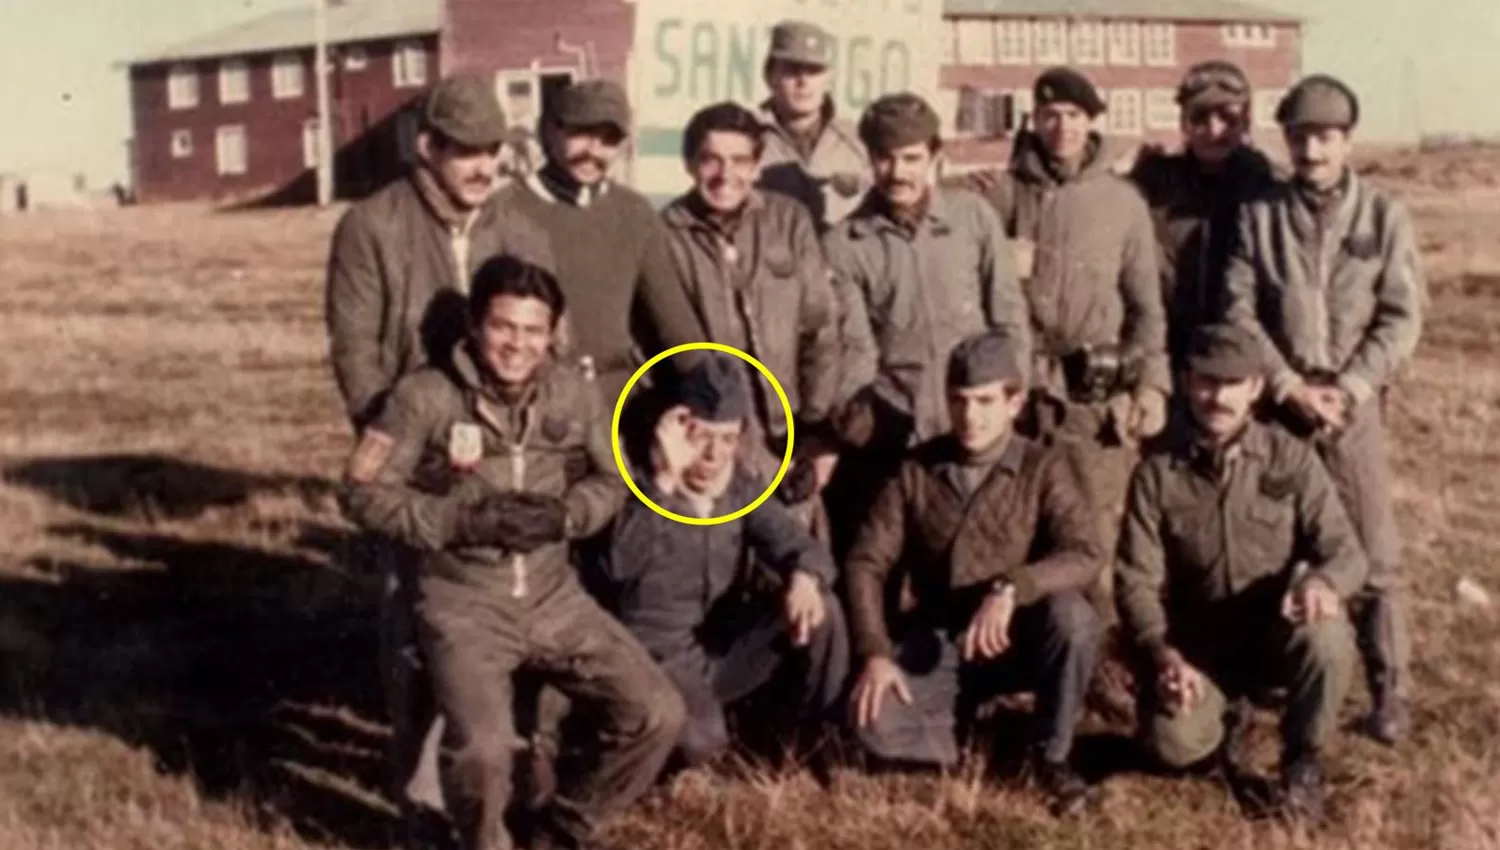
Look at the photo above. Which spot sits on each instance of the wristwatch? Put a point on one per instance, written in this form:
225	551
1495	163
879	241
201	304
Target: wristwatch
1002	586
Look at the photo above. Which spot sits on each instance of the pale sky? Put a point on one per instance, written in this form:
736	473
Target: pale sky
1420	66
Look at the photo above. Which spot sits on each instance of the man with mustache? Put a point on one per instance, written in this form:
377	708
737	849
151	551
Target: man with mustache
810	153
1234	561
753	268
489	467
681	588
1325	274
1195	195
399	266
917	268
989	538
613	259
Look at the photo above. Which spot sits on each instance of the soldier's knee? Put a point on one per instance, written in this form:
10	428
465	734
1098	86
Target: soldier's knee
1181	741
481	760
704	735
1324	645
665	715
1073	620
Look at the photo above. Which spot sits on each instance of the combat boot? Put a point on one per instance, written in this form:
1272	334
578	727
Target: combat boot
1390	717
1302	781
1067	792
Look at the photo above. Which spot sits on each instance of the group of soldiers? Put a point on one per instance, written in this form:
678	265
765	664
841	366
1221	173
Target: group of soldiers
1078	409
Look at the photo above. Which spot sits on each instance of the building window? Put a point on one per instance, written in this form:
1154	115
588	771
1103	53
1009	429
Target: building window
182	87
1161	109
182	144
1088	43
310	143
1124	43
1124	116
1022	98
230	149
976	41
1050	42
287	76
1161	44
1014	47
409	65
234	81
1249	35
1264	107
355	58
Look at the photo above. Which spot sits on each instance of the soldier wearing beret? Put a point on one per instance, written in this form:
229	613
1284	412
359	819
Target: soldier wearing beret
810	153
1234	561
1325	274
613	259
917	267
994	542
1195	195
399	266
488	468
681	588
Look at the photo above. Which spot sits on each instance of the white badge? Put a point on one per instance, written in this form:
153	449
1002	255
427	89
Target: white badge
465	445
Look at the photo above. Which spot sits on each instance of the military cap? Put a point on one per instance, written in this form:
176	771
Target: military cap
897	120
986	358
1319	99
714	389
801	43
593	103
1214	82
463	107
1228	352
1066	85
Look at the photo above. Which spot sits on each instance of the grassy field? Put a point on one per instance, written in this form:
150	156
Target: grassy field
184	663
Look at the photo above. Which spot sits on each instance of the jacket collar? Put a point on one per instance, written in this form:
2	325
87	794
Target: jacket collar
437	202
475	384
872	216
553	188
684	213
1031	163
1189	451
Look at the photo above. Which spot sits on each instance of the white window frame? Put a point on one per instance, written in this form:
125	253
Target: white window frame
1013	42
1117	116
976	41
1161	110
1086	40
1248	35
1022	98
1263	107
409	65
234	81
1049	42
288	76
182	144
1159	44
1123	42
223	162
310	143
182	86
356	57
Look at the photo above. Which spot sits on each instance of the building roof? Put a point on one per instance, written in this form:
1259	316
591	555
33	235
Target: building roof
348	21
1162	10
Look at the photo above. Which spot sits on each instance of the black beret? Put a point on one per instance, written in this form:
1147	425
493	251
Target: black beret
1066	85
986	358
1225	351
714	389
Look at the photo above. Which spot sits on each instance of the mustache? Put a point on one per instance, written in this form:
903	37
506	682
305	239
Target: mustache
585	159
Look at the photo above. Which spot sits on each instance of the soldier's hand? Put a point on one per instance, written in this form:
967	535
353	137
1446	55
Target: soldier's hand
1311	600
1148	413
988	634
1179	684
673	449
1332	405
515	521
803	607
1305	402
880	676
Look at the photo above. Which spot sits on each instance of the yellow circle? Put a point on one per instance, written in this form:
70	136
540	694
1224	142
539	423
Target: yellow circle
614	433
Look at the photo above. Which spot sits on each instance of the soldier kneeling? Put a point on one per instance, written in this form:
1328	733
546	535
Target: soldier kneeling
1210	582
681	588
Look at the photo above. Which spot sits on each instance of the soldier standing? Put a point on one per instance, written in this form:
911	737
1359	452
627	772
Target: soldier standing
400	263
754	269
1195	195
917	268
489	468
1234	559
811	153
997	542
1326	275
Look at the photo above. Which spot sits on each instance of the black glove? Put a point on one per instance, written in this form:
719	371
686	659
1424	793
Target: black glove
515	521
800	482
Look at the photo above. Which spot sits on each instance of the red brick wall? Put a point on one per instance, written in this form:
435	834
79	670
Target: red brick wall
490	35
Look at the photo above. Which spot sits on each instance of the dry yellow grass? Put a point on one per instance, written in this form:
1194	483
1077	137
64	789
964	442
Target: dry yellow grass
183	663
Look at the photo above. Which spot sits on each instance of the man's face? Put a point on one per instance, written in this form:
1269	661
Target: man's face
724	170
1064	130
902	175
1222	407
466	174
717	444
1213	133
1319	152
586	153
797	90
514	337
982	415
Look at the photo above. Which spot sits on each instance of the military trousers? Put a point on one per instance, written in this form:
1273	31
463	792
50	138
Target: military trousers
1315	662
416	726
712	678
476	639
1054	646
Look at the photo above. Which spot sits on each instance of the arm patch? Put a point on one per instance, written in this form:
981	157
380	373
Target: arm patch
369	457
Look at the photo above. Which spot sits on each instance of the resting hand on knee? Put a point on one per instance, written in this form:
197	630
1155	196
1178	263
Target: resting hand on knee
803	607
1179	684
988	634
1310	601
881	675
